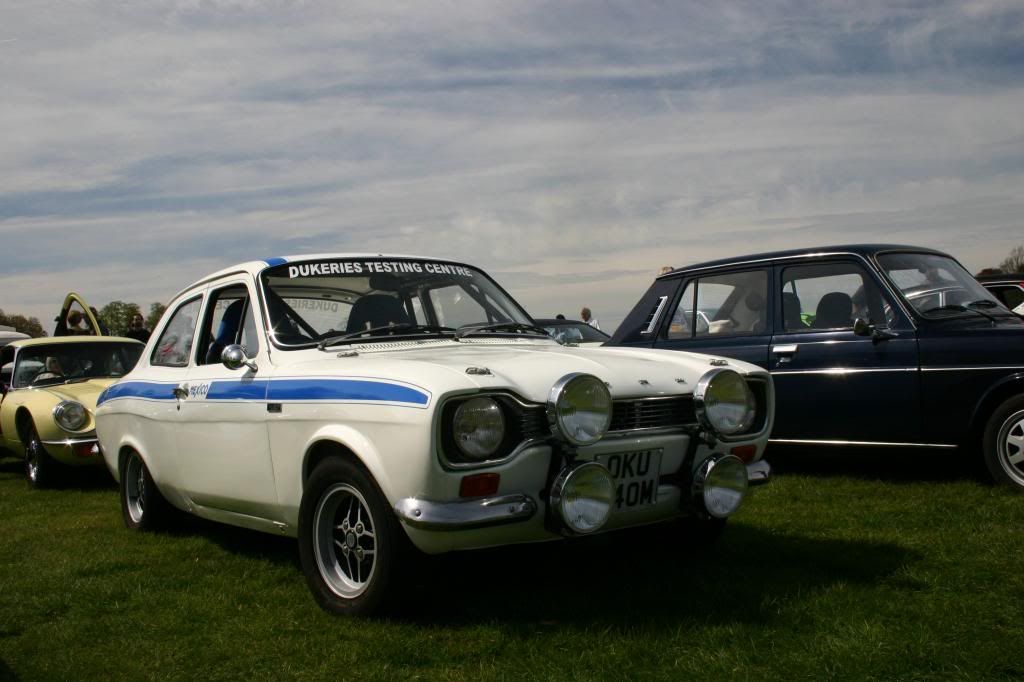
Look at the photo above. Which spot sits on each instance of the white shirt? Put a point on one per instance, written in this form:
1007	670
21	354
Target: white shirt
593	323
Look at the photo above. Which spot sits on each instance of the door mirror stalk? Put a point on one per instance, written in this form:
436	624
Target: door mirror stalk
234	357
862	327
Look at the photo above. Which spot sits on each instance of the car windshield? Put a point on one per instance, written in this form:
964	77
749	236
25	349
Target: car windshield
60	363
322	301
937	285
574	332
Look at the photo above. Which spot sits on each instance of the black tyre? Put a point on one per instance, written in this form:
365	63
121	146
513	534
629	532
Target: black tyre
41	470
1003	444
350	542
142	505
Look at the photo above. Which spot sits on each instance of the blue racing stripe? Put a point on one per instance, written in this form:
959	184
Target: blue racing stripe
344	389
137	389
276	390
275	261
245	389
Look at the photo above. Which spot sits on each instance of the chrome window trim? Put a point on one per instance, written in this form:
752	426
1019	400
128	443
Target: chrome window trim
865	443
785	260
976	368
656	318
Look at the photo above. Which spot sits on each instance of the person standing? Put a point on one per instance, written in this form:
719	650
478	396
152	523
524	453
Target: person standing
589	319
137	329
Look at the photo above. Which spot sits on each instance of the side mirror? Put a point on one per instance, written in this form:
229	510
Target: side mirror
234	357
862	327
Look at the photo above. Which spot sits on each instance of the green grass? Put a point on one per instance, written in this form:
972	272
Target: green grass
832	571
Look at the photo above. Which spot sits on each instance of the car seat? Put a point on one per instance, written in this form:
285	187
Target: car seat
375	310
791	311
835	310
227	332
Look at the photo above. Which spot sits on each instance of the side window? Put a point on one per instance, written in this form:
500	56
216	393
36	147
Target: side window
681	324
229	320
1011	296
175	344
734	304
829	296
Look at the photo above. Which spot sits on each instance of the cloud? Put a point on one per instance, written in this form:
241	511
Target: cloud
572	147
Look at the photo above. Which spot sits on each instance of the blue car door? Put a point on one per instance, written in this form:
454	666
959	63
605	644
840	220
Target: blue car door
832	384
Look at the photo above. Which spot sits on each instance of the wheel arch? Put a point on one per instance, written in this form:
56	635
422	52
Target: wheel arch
996	395
22	420
348	444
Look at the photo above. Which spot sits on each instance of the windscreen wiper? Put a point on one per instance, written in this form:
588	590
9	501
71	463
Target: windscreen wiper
500	326
956	307
400	327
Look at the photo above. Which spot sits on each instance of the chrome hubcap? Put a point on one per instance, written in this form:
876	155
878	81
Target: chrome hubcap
32	460
1011	447
344	541
135	487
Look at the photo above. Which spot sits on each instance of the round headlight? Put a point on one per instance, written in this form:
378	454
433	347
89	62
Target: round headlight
724	402
720	484
70	415
583	496
478	427
580	409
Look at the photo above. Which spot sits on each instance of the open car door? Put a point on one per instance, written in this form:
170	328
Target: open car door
76	318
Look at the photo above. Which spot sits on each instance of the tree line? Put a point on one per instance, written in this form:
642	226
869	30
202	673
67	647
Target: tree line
116	315
1012	264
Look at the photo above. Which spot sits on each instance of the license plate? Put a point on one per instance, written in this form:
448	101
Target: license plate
636	477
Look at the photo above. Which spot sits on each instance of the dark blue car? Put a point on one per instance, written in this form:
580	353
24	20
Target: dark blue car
867	345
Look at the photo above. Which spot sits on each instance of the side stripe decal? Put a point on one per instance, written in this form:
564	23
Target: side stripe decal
277	390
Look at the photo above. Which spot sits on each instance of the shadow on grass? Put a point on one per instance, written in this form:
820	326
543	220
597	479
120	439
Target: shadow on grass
278	550
644	577
891	465
68	478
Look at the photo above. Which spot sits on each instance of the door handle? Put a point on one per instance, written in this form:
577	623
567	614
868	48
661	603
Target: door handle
785	349
180	392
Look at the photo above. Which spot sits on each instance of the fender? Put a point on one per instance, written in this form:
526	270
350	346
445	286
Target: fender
996	393
354	441
160	477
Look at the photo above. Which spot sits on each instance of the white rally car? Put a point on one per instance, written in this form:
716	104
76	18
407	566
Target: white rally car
363	403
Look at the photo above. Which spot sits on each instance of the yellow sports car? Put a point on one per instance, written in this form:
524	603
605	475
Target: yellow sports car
49	388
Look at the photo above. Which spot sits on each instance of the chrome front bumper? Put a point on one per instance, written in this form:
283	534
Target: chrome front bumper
497	511
465	515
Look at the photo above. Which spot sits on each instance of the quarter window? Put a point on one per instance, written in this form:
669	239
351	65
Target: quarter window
734	304
175	344
829	296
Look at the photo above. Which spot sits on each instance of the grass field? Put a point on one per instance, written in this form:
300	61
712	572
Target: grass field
854	568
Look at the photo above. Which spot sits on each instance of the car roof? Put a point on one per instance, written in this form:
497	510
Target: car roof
841	249
50	340
254	267
1015	277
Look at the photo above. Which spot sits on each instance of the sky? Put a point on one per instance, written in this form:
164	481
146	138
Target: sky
570	149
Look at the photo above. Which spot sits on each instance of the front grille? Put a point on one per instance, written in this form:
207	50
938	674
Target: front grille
533	421
652	413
